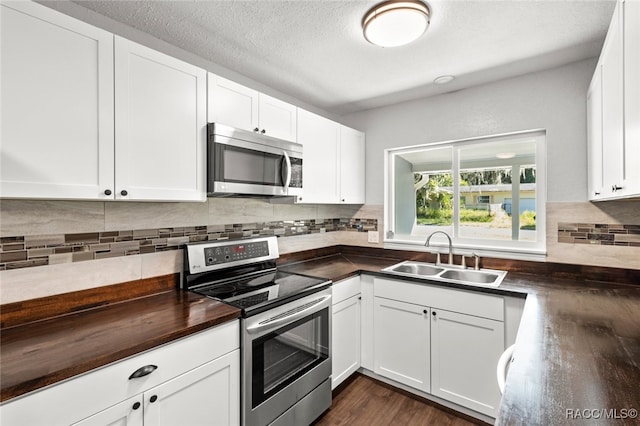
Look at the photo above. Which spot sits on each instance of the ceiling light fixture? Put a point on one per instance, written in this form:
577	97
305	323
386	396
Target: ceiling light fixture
505	155
443	79
396	22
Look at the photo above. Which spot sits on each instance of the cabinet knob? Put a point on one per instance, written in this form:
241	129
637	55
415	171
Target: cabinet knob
153	399
143	371
107	192
359	297
343	200
136	405
424	311
596	193
299	198
124	193
433	313
263	131
256	130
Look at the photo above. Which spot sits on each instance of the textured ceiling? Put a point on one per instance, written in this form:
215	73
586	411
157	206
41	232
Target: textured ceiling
313	50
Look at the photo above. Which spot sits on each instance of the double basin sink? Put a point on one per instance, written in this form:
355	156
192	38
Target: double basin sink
448	273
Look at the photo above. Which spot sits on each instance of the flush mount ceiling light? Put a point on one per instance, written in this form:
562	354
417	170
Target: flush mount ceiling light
505	155
395	23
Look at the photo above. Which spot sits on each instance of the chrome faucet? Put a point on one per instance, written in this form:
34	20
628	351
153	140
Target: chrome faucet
426	244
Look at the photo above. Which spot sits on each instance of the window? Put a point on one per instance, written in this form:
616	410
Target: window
486	193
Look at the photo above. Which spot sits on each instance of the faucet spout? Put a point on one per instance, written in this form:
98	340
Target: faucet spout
426	244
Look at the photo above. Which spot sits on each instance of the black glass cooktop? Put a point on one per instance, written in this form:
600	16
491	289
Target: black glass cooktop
260	292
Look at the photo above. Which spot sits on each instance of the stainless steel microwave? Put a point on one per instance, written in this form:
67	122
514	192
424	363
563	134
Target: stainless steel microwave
240	162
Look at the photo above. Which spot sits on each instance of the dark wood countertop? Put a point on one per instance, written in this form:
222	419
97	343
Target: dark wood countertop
578	345
44	352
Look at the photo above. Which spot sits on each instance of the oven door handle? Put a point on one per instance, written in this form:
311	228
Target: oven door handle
291	315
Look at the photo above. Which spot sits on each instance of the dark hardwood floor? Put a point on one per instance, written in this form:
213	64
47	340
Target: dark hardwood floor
364	401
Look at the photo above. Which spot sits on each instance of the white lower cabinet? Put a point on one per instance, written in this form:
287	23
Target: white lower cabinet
197	377
440	341
188	399
345	330
401	342
464	354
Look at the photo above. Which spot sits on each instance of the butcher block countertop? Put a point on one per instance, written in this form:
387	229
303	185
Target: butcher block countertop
578	346
39	353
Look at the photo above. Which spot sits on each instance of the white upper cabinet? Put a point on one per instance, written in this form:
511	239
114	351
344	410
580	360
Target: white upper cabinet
238	106
57	136
613	104
160	125
351	166
333	164
232	104
319	137
632	96
87	116
594	137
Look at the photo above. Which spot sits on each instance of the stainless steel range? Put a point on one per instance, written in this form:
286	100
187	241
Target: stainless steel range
285	328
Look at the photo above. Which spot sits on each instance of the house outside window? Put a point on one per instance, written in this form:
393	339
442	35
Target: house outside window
486	193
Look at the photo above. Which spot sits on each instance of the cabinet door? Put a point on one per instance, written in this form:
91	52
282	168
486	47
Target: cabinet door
160	126
57	105
232	104
351	166
464	354
319	136
401	342
209	394
277	118
612	108
632	96
126	413
345	340
594	135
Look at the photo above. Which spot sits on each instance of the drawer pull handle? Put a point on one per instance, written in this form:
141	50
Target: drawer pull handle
143	371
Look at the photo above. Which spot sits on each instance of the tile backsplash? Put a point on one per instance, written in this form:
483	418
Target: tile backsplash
599	234
38	250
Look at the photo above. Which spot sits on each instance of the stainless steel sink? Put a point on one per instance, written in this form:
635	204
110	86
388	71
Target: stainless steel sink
416	269
448	273
480	277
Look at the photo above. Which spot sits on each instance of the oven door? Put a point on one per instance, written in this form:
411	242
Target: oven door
286	355
247	167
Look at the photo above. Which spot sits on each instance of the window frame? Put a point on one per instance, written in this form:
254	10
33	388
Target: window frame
512	249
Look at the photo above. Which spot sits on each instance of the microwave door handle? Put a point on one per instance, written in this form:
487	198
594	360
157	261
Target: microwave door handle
287	180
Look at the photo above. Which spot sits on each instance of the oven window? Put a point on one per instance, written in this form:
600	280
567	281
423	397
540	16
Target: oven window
243	165
281	357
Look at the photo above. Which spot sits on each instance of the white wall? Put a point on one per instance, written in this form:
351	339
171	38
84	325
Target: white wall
554	100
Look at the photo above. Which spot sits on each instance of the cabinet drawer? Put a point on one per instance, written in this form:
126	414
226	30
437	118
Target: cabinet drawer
89	393
342	290
468	302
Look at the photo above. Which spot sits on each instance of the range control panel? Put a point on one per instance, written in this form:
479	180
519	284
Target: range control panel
234	252
214	255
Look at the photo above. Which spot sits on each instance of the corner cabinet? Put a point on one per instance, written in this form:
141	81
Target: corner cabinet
333	163
87	115
200	372
613	105
238	106
345	329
